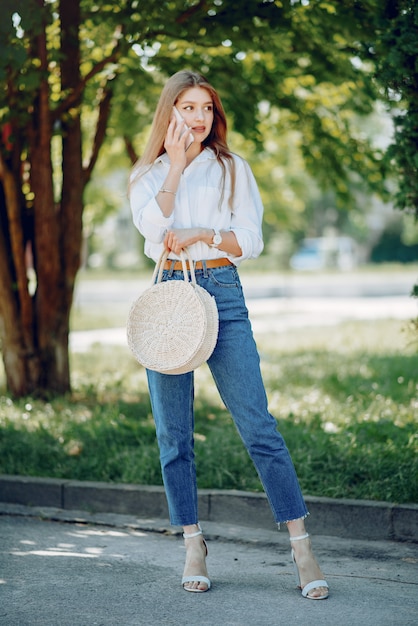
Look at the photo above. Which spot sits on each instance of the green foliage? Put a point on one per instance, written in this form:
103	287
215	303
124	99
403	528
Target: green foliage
391	248
344	398
294	57
288	65
297	58
395	53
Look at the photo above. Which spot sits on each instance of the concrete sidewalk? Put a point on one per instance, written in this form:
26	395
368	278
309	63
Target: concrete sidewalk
86	553
68	568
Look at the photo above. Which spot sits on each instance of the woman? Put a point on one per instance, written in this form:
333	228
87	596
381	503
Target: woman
201	196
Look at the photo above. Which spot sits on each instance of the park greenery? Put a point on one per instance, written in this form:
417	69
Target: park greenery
299	79
345	399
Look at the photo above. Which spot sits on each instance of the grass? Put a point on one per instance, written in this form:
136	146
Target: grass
345	399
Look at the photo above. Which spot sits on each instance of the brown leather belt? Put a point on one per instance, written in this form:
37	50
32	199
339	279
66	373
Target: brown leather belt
198	265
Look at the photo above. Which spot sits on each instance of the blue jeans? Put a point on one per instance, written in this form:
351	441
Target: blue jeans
235	367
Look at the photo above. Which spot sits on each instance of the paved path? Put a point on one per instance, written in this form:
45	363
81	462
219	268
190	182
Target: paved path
276	302
276	315
77	574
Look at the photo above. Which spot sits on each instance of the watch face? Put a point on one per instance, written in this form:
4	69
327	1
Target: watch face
217	239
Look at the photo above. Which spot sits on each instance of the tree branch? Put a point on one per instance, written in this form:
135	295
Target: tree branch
101	126
130	149
74	96
195	8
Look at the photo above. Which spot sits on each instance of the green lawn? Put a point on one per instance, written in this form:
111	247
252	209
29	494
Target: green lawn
345	399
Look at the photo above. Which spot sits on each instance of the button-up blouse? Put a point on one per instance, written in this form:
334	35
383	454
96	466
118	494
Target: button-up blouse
198	205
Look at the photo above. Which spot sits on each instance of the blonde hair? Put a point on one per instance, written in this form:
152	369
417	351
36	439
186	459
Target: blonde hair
216	140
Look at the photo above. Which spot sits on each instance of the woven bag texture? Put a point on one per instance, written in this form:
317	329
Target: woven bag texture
172	327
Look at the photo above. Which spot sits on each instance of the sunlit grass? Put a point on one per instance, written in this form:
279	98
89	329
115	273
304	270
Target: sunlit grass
345	397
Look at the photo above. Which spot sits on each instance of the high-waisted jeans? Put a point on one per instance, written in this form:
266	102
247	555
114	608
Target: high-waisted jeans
235	367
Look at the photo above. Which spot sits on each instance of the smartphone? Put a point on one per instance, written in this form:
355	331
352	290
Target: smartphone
180	120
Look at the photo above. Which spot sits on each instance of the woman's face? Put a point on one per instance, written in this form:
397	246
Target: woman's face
196	107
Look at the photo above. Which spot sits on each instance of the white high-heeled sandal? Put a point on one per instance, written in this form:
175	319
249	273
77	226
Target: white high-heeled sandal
197	578
312	585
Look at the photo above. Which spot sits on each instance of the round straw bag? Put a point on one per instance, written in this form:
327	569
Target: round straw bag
172	327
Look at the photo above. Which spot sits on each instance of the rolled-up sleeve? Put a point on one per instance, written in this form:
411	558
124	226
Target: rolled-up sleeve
146	213
247	215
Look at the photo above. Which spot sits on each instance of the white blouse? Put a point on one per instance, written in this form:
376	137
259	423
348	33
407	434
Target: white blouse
197	206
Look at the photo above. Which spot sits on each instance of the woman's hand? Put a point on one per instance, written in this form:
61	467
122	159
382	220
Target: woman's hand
177	239
175	143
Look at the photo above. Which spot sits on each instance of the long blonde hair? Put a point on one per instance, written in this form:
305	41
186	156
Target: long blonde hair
216	140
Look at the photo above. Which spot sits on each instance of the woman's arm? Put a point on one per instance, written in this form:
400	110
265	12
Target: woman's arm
178	238
174	145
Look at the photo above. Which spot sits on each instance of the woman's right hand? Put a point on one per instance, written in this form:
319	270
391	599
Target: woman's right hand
175	143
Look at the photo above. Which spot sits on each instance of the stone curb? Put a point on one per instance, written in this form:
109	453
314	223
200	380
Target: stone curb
355	519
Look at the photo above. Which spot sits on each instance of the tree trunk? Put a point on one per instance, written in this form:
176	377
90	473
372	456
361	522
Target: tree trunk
16	333
49	319
34	326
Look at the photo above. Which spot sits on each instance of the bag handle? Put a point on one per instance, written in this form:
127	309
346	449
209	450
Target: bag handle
159	266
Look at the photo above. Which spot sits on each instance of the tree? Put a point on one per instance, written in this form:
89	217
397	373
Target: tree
40	227
68	68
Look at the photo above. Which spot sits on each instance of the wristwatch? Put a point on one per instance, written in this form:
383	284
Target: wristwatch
217	239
